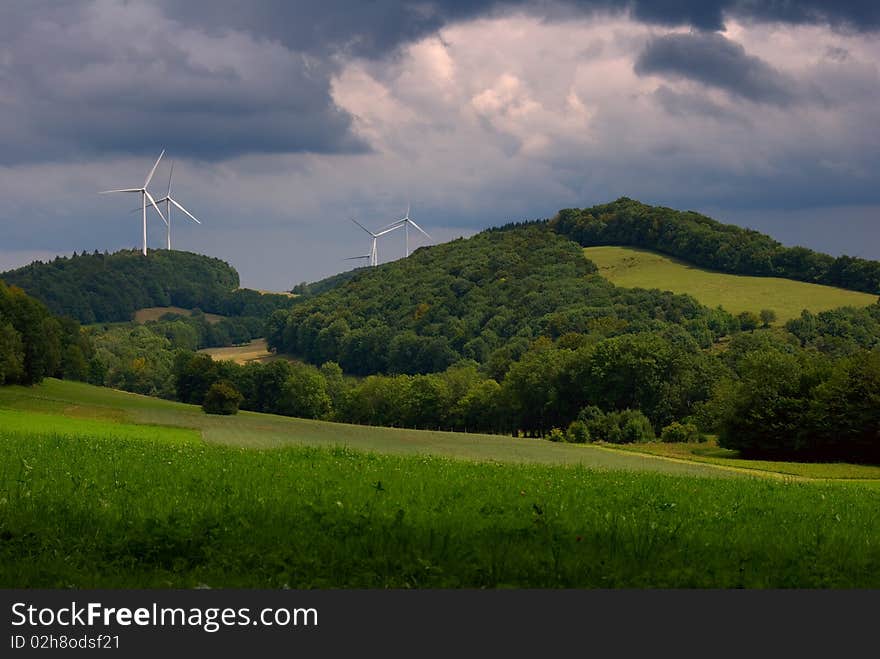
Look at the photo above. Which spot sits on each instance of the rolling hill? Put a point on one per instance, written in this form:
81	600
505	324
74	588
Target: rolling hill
111	287
633	267
702	241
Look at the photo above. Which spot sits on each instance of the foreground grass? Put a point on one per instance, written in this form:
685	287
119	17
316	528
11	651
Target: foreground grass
79	510
632	267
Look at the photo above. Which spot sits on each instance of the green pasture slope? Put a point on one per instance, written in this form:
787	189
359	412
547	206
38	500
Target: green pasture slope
640	268
104	489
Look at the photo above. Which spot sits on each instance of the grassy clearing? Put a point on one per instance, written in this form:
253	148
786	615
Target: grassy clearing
632	267
255	351
253	430
74	400
155	313
710	453
115	511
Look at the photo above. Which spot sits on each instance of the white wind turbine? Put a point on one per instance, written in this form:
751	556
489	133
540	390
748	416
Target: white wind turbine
374	252
405	222
168	199
144	196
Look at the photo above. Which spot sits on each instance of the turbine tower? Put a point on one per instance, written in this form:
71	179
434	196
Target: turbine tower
374	252
405	222
144	196
169	200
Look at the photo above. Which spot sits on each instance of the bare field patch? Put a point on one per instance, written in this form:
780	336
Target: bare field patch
255	351
155	313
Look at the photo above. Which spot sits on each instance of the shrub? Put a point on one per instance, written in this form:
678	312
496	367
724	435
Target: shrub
680	432
556	435
618	427
748	321
222	398
578	433
635	427
768	316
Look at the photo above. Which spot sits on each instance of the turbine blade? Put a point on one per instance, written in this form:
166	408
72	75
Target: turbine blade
193	217
123	190
390	229
394	224
362	227
153	171
153	202
421	229
169	179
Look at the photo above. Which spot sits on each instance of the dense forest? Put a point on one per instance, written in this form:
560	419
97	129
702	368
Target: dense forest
484	299
111	287
703	241
34	344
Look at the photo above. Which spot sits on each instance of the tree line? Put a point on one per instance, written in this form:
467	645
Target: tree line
34	344
703	241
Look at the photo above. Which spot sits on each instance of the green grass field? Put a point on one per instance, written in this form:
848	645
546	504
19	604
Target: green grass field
639	268
253	430
100	488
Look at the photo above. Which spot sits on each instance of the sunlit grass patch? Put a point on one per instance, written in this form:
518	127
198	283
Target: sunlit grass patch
638	268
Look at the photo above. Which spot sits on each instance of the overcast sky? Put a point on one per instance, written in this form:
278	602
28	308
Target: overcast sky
284	119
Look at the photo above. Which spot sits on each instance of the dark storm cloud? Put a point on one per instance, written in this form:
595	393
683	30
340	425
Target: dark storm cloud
713	60
222	78
376	27
83	78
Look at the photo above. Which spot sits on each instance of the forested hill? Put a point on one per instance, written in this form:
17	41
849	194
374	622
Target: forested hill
110	287
711	244
485	298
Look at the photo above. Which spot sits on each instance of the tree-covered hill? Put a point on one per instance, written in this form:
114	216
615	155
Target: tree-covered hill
711	244
484	298
326	284
110	287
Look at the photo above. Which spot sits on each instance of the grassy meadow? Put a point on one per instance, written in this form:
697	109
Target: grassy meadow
100	488
638	268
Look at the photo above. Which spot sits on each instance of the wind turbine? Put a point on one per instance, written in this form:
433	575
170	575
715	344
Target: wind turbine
168	199
144	196
374	252
405	221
